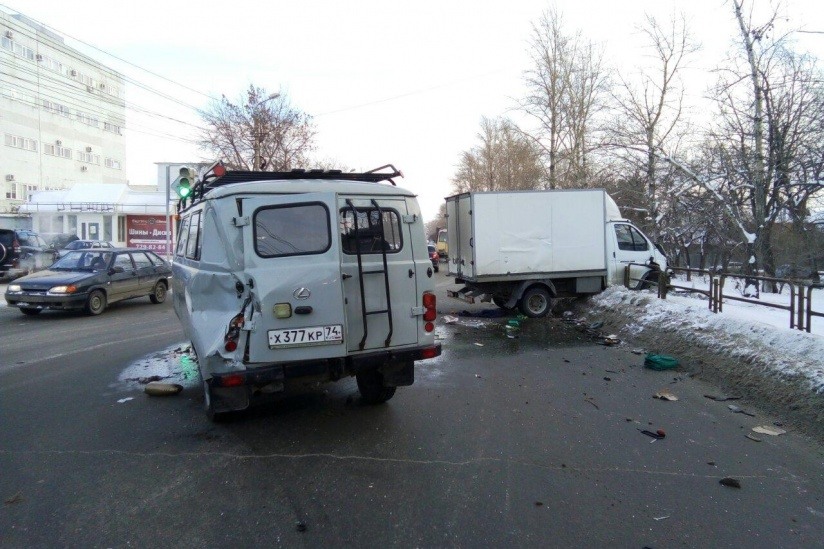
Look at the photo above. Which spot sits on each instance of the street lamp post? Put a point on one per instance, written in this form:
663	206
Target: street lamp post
256	133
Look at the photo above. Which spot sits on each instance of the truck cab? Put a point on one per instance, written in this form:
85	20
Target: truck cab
283	279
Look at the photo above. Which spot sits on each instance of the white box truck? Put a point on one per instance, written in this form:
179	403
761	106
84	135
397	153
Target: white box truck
524	248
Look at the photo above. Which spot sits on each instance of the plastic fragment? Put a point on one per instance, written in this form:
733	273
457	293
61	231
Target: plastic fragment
447	319
300	526
653	435
730	482
769	430
665	395
162	389
754	439
660	362
661	518
721	398
738	410
479	344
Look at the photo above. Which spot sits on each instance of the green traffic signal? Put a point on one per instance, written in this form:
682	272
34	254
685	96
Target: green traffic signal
184	187
184	182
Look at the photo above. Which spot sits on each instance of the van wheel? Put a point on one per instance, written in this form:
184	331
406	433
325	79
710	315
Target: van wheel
535	302
28	311
209	405
158	294
96	303
372	390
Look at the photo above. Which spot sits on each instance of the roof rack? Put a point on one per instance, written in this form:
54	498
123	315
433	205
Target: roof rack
217	175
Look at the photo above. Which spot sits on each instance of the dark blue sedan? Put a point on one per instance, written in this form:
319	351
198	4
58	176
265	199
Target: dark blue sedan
90	279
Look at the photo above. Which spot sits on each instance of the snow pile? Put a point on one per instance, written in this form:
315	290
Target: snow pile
741	332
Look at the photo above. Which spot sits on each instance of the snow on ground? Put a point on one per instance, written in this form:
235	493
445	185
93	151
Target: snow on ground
743	330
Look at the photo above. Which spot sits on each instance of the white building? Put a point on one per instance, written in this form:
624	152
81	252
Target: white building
61	116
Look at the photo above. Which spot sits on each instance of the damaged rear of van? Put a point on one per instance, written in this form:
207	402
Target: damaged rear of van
283	279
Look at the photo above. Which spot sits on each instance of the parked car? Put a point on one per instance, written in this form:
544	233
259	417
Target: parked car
90	279
58	241
434	257
83	245
22	251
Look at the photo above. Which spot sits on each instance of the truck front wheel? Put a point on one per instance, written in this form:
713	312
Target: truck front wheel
536	302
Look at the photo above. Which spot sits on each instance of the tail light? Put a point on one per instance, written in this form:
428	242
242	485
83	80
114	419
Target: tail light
15	246
429	312
233	333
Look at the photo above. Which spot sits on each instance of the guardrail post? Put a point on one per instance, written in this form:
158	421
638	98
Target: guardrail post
800	307
663	284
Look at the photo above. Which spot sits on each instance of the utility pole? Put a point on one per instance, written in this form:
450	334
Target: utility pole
256	133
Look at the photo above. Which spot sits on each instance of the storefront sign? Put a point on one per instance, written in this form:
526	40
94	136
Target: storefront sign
146	231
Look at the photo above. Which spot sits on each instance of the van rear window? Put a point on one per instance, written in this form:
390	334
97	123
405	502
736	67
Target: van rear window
296	229
368	236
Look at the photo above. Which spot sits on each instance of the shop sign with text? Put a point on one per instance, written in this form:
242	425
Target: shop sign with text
146	231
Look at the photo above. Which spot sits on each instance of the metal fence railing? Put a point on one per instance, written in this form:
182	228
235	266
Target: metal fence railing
800	306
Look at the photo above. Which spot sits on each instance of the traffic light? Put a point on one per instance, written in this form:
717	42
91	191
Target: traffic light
184	182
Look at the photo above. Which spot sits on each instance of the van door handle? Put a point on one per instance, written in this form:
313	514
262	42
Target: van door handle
411	273
345	276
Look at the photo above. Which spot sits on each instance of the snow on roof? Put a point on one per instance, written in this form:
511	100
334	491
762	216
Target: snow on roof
125	199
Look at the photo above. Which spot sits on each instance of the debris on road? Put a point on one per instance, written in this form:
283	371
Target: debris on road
156	388
611	339
637	351
730	482
127	399
737	410
16	498
449	319
722	398
589	399
596	325
665	395
661	518
660	362
754	439
300	526
657	435
769	430
479	344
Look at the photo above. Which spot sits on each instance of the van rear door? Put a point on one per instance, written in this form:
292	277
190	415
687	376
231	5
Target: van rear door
383	231
292	253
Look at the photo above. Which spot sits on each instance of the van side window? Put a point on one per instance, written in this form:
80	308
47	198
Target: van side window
296	229
182	235
369	235
193	244
629	238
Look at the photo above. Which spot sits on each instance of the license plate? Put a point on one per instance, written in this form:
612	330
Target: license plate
304	337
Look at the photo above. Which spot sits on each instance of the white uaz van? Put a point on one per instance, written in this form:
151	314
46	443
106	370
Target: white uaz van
283	279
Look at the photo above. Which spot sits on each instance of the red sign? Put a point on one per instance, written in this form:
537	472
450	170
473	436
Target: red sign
146	231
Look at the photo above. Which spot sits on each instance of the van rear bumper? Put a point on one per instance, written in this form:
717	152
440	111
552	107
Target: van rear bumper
331	369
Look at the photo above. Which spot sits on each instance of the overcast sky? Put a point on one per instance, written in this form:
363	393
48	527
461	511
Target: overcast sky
386	82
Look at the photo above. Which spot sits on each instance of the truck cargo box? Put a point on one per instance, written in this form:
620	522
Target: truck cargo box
500	235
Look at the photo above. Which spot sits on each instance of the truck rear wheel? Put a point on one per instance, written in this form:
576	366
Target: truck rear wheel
372	390
536	302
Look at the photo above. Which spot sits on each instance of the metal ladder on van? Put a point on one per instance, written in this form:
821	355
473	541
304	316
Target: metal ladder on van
361	272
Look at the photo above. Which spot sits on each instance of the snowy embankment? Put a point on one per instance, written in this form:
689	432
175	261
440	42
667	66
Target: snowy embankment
748	350
744	332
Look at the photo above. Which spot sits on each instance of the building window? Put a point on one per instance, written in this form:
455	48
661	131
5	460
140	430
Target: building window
88	157
121	228
11	191
107	227
114	164
18	49
114	128
87	119
21	142
57	150
56	108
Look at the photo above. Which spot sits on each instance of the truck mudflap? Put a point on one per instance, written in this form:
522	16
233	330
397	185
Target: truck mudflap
396	366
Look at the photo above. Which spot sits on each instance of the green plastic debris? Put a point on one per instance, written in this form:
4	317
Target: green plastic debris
660	362
514	322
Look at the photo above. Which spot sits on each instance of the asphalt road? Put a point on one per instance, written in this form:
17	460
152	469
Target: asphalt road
529	441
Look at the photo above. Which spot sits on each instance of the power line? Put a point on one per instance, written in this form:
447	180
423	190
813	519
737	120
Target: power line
112	55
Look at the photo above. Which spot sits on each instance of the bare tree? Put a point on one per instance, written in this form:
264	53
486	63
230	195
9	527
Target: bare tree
504	160
650	121
768	135
565	86
260	132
